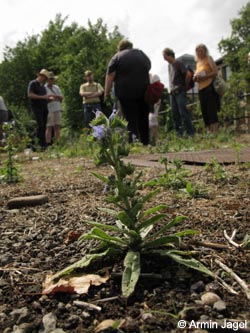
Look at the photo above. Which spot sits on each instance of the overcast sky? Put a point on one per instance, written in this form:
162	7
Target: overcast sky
151	25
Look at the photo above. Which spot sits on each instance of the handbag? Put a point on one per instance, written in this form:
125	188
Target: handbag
220	86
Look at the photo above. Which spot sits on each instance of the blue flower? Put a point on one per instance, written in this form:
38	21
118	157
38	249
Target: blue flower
99	132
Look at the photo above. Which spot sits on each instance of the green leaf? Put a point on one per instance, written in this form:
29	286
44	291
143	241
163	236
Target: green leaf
97	233
125	219
163	241
151	221
131	272
144	232
185	233
189	187
154	210
112	212
82	263
108	227
169	225
150	195
191	263
102	178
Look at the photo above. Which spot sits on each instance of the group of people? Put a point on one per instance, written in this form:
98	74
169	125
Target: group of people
205	73
128	75
127	78
46	104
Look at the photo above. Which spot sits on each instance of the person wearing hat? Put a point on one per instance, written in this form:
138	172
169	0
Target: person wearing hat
90	92
54	108
39	99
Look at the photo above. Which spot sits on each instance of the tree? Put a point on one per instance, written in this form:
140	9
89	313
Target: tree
235	49
237	46
67	51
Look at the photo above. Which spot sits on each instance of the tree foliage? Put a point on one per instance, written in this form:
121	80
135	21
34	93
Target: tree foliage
237	46
236	49
67	50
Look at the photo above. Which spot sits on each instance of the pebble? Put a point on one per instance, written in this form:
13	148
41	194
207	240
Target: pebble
197	287
20	315
49	322
220	306
210	298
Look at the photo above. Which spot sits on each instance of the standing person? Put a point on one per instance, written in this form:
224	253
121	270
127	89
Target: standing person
91	92
129	71
4	115
39	99
206	71
178	81
153	115
54	108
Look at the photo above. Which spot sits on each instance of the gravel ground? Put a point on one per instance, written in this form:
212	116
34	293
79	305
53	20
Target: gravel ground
32	245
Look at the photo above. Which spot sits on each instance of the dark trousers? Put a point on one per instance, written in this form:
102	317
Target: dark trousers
41	120
89	110
210	105
136	113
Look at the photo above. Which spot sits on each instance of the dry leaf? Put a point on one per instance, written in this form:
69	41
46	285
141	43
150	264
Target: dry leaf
72	236
109	323
78	284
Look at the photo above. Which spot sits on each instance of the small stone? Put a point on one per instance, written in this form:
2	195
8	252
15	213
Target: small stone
61	306
20	315
197	287
220	306
49	322
85	314
146	316
36	305
43	298
210	298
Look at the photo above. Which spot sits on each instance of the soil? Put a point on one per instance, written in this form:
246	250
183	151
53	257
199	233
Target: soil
33	245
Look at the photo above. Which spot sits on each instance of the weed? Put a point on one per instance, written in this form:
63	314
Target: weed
173	177
194	191
10	173
217	170
133	233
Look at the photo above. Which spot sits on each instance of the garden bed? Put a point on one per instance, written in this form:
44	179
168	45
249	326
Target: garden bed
33	244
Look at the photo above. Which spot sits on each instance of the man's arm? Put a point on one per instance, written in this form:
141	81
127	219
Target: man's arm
32	95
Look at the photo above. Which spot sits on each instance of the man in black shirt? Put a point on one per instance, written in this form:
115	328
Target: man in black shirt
129	71
39	100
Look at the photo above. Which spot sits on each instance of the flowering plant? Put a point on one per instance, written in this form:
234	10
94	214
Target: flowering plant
132	233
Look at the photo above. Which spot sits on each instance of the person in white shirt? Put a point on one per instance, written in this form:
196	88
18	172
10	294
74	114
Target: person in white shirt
54	108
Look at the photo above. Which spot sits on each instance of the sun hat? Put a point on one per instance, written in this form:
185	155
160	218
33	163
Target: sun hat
44	72
88	73
52	76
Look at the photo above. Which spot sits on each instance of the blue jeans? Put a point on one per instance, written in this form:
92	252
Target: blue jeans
89	112
181	115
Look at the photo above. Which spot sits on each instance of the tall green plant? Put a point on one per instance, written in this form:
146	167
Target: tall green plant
133	233
10	173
